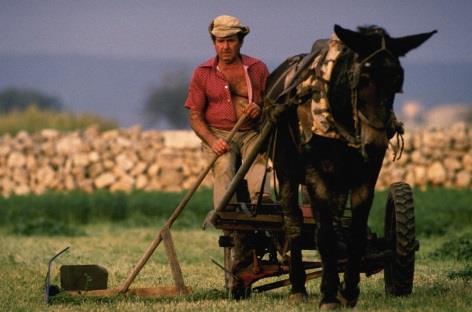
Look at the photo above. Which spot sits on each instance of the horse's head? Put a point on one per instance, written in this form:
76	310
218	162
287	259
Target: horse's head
375	77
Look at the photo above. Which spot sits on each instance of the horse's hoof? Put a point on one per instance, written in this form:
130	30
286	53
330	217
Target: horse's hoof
330	306
298	297
348	301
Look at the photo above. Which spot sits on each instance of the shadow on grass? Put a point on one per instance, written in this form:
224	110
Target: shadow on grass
200	295
196	296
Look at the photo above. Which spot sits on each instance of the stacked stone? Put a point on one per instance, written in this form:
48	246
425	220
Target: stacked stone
117	160
432	157
127	159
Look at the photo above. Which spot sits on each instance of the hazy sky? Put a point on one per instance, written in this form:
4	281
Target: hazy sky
178	28
42	43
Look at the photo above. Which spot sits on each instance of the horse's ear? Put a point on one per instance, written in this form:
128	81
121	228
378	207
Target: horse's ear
359	43
401	46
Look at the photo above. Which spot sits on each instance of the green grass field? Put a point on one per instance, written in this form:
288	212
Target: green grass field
443	274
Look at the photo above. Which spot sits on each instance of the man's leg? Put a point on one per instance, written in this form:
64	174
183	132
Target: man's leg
243	241
223	172
256	173
223	169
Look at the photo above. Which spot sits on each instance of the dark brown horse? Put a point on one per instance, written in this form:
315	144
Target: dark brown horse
364	80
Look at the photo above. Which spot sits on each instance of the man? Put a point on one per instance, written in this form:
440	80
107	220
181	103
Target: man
222	90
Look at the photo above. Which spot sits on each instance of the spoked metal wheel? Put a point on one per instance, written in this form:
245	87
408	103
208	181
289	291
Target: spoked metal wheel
401	240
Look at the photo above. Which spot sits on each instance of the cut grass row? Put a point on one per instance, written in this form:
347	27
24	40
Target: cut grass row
439	284
115	229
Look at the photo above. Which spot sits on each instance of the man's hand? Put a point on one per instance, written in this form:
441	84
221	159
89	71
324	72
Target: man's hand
219	146
253	110
199	125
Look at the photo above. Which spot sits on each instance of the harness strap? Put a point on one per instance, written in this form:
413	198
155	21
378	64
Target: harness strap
353	141
397	148
376	125
280	79
298	77
272	149
354	81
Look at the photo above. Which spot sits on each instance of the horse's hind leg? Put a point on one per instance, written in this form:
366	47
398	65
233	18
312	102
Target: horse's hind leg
293	221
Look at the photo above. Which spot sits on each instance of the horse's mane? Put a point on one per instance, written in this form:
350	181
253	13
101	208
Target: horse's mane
372	30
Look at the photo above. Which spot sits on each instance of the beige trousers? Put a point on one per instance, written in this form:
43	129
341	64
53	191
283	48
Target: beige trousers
224	168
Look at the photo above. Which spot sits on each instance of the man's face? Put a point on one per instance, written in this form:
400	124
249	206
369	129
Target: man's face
227	48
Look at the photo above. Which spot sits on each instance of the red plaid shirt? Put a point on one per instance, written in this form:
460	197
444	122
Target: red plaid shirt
209	92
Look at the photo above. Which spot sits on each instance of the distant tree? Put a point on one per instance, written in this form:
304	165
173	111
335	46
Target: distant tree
164	107
16	99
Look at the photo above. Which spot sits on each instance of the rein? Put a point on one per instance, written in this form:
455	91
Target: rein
358	115
377	125
354	84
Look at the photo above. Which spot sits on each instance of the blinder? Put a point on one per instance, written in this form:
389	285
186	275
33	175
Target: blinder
358	79
356	73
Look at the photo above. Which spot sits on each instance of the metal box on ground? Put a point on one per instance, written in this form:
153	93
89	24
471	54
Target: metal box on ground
83	277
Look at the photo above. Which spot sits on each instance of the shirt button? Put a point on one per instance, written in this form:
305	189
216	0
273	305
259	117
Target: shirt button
226	87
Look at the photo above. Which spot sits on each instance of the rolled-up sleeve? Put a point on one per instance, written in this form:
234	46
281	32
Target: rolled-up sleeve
196	98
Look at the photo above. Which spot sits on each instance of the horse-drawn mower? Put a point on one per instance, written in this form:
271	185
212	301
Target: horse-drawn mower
328	120
394	252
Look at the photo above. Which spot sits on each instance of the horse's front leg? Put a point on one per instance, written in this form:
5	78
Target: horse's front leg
362	196
293	221
361	201
323	203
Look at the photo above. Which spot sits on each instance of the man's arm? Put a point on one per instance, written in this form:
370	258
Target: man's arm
198	124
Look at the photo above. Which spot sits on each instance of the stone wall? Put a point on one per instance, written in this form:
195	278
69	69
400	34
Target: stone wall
124	159
437	157
118	160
